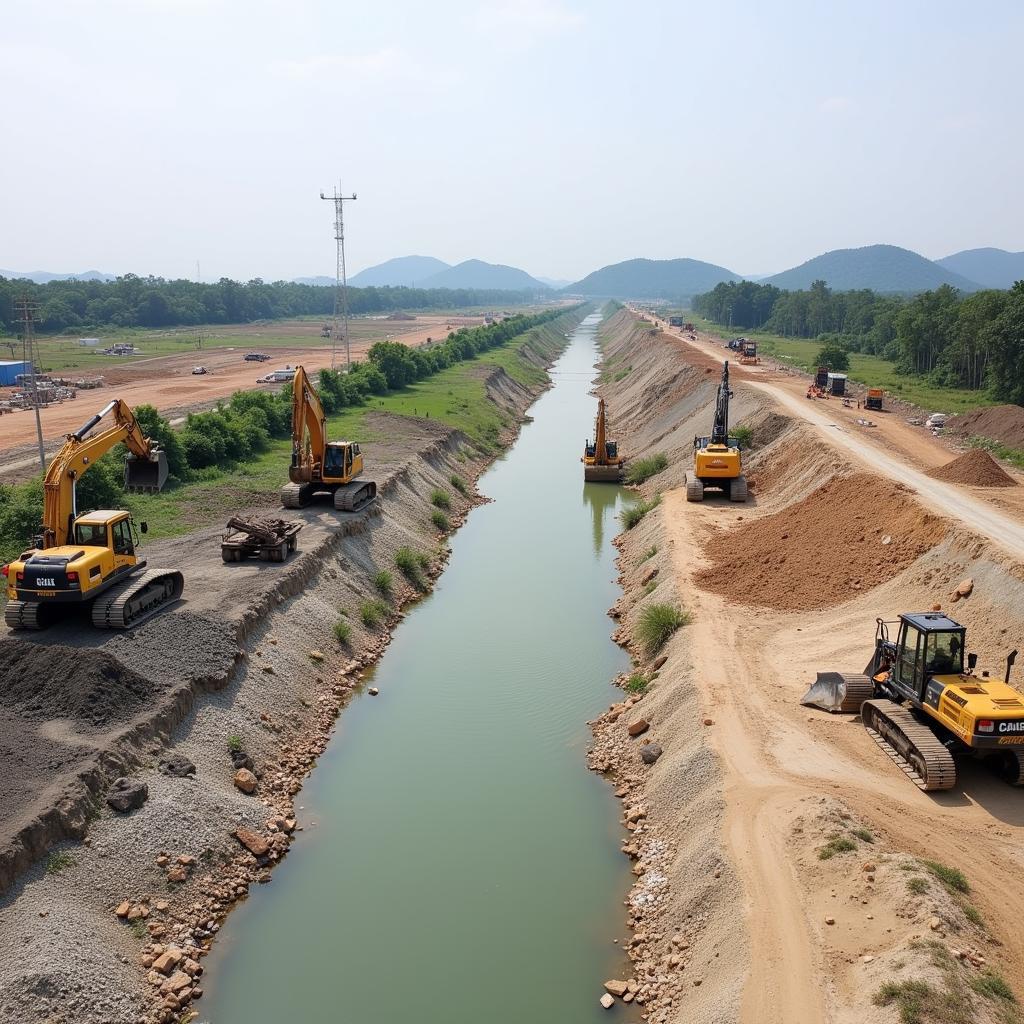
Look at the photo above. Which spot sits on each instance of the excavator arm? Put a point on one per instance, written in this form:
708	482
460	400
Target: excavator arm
720	430
600	444
309	430
74	458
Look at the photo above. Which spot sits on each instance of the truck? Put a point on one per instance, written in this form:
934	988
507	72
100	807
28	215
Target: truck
255	357
270	540
873	399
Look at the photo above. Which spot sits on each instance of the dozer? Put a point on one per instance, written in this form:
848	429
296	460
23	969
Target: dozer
601	462
922	706
91	558
320	466
716	459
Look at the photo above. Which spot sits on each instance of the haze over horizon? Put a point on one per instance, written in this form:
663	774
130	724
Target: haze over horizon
553	136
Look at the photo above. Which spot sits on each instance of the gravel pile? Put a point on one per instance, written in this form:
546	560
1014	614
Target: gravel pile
975	467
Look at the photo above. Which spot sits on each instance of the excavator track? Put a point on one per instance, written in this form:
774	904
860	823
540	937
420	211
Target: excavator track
355	496
137	599
912	745
694	488
23	615
295	495
738	489
1009	766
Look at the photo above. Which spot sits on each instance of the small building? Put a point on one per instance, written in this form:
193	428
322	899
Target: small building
10	370
837	383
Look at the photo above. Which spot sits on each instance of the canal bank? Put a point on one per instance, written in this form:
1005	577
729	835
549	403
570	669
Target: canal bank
464	864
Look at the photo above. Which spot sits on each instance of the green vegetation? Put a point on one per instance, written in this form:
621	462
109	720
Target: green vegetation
459	484
441	499
234	743
863	835
622	373
992	986
643	469
836	844
649	553
410	564
650	587
343	632
637	683
918	885
373	613
384	581
657	623
58	861
973	914
440	520
952	878
632	515
1000	451
834	356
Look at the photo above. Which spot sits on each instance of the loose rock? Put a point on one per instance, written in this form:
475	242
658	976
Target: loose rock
127	795
650	752
639	727
245	780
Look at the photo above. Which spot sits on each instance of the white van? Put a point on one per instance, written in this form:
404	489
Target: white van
936	420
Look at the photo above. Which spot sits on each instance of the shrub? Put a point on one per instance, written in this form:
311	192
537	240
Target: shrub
234	743
632	515
973	915
410	566
441	499
637	683
459	484
838	844
373	613
834	356
343	632
917	885
992	986
952	878
643	469
57	862
651	587
863	835
744	436
657	623
383	582
440	520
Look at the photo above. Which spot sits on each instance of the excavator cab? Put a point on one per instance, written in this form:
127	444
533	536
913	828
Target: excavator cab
926	644
342	461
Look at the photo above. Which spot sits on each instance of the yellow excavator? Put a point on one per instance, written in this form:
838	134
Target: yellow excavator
601	462
717	462
320	466
91	558
923	707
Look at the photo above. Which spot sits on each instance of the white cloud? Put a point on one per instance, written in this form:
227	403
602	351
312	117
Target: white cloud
527	19
385	63
837	105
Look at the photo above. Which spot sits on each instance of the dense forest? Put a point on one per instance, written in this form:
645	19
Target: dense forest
971	341
131	301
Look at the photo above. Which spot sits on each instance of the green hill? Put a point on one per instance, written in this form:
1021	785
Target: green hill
991	268
882	268
652	279
408	271
478	274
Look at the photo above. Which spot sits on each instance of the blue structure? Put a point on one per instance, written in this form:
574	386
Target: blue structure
9	370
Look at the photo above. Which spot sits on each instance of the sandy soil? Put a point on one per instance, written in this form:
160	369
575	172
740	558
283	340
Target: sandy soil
777	764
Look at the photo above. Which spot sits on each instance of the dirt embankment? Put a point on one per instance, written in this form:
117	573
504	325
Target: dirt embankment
247	677
1001	423
786	870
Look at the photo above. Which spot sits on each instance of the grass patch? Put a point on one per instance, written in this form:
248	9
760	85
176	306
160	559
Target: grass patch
384	581
459	484
1015	456
637	683
440	520
442	499
373	613
651	587
836	845
973	914
410	565
57	862
623	373
649	553
634	513
235	743
918	885
343	632
992	986
744	435
657	623
643	469
952	878
863	835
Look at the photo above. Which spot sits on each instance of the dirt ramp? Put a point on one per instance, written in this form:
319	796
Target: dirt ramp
976	468
848	536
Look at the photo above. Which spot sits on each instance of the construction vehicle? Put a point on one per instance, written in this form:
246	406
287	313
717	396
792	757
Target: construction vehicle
922	706
748	353
601	461
320	466
270	540
873	399
91	558
675	321
717	462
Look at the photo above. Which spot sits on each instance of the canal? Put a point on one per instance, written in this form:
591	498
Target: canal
465	864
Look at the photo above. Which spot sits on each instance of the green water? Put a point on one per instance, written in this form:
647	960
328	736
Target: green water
465	865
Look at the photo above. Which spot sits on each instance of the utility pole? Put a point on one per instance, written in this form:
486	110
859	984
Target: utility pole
340	279
30	356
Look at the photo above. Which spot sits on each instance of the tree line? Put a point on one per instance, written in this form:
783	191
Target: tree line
971	341
131	301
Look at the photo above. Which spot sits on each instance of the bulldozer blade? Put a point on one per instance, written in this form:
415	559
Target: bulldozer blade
602	474
148	475
839	692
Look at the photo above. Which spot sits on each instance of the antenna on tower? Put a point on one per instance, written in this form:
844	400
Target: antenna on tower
340	279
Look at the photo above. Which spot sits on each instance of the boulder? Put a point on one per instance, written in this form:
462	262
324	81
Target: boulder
178	766
240	759
168	960
607	1001
616	987
252	841
245	780
127	795
650	752
639	727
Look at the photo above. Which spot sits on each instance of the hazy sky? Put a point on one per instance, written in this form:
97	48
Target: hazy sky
144	135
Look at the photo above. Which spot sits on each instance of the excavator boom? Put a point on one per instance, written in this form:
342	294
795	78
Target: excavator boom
716	459
601	461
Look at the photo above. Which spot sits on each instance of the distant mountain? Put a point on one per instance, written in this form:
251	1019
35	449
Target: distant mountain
652	279
553	282
991	268
477	274
882	268
319	282
403	270
43	276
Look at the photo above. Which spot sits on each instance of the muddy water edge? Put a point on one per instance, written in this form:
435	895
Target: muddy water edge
464	864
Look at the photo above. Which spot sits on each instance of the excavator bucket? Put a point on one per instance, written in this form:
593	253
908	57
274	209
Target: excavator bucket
147	475
839	692
602	474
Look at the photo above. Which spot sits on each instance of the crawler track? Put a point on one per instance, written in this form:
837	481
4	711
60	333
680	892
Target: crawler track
355	496
913	746
137	599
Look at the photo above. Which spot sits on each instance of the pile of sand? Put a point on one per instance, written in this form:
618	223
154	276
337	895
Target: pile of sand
848	536
42	682
974	467
1002	423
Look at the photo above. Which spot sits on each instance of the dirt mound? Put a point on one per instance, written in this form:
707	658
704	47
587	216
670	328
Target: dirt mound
846	537
1002	423
975	467
40	682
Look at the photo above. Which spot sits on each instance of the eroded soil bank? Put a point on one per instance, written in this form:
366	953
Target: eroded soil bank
248	674
786	869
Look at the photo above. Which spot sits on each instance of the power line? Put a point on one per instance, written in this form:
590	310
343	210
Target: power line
340	278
